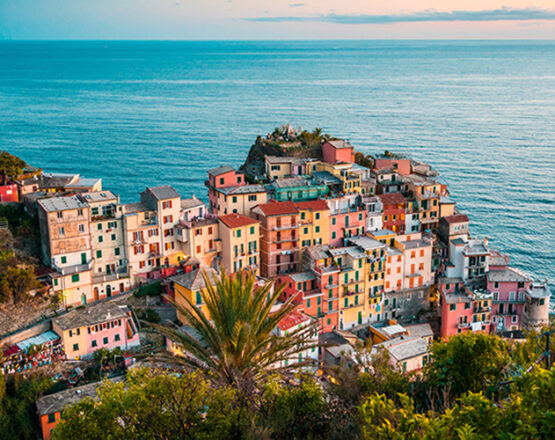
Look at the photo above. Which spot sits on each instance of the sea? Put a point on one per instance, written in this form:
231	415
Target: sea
141	114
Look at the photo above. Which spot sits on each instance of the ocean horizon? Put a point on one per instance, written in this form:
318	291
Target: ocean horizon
147	113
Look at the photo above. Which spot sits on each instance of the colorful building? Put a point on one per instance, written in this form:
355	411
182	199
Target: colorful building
102	325
393	206
337	151
297	189
347	218
463	307
240	237
190	289
314	222
64	224
218	178
280	167
200	241
279	237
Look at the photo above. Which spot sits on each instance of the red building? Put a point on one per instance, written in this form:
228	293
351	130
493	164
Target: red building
400	166
337	151
394	205
9	193
463	308
221	177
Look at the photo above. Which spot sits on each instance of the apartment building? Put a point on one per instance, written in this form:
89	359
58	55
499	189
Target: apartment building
314	222
218	178
453	226
337	151
280	167
297	189
200	241
239	199
468	258
240	237
103	325
110	275
279	237
64	224
393	207
191	289
319	260
347	218
150	237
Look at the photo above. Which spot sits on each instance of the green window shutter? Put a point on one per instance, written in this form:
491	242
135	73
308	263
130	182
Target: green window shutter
75	278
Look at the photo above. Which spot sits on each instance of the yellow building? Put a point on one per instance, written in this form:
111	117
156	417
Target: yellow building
375	265
191	286
240	237
239	199
279	167
351	181
315	222
199	239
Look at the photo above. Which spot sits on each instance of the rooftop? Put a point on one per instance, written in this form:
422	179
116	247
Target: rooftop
191	203
509	274
292	320
132	208
284	159
302	276
243	189
84	182
62	203
326	177
194	280
391	198
220	170
99	196
56	402
319	252
339	144
420	330
277	208
163	192
291	182
93	314
236	220
403	348
365	242
457	218
313	205
353	251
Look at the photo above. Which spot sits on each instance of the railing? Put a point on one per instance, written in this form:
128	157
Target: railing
284	227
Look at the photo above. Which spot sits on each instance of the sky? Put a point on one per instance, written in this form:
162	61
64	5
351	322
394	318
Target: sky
275	19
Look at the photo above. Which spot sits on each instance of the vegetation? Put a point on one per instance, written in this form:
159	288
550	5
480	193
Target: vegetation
16	278
18	418
12	166
236	344
365	160
151	289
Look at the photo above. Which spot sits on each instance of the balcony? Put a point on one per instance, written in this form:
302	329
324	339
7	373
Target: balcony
76	268
104	278
285	227
463	325
352	281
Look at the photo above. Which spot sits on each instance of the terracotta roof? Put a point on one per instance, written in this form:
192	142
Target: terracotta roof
278	208
236	220
457	218
313	205
391	198
339	144
293	319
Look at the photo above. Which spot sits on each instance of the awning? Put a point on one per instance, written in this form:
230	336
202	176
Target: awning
41	339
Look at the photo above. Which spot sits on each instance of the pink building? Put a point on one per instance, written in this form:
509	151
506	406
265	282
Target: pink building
347	219
221	177
463	308
102	325
400	166
509	287
337	151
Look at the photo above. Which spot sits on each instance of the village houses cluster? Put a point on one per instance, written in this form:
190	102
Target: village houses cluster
380	253
356	247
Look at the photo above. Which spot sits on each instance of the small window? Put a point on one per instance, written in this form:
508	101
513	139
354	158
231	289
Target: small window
116	251
252	230
93	343
51	418
105	340
453	307
98	254
75	278
64	260
116	338
75	347
238	233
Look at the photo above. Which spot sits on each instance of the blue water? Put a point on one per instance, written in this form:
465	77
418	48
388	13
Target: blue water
151	113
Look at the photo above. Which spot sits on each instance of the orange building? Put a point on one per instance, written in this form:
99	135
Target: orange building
338	151
279	237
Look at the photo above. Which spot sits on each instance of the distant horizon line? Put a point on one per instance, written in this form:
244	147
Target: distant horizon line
82	40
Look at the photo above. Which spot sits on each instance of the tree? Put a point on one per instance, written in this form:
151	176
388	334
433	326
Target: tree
467	362
155	405
364	160
236	343
12	166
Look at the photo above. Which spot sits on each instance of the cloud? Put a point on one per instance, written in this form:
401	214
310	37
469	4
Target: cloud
295	5
428	15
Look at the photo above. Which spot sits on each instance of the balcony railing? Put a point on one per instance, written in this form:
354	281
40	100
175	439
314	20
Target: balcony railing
285	227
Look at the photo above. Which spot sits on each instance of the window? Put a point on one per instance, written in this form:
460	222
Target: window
61	231
305	230
64	260
198	297
238	233
105	340
51	418
317	216
75	347
251	229
100	239
93	343
453	307
333	220
75	278
113	237
333	235
234	199
317	229
252	198
222	180
60	214
98	254
81	228
116	251
308	303
116	338
99	227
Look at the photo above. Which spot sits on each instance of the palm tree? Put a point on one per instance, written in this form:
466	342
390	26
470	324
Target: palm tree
235	342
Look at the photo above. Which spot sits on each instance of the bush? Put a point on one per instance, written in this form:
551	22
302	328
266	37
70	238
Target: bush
152	289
